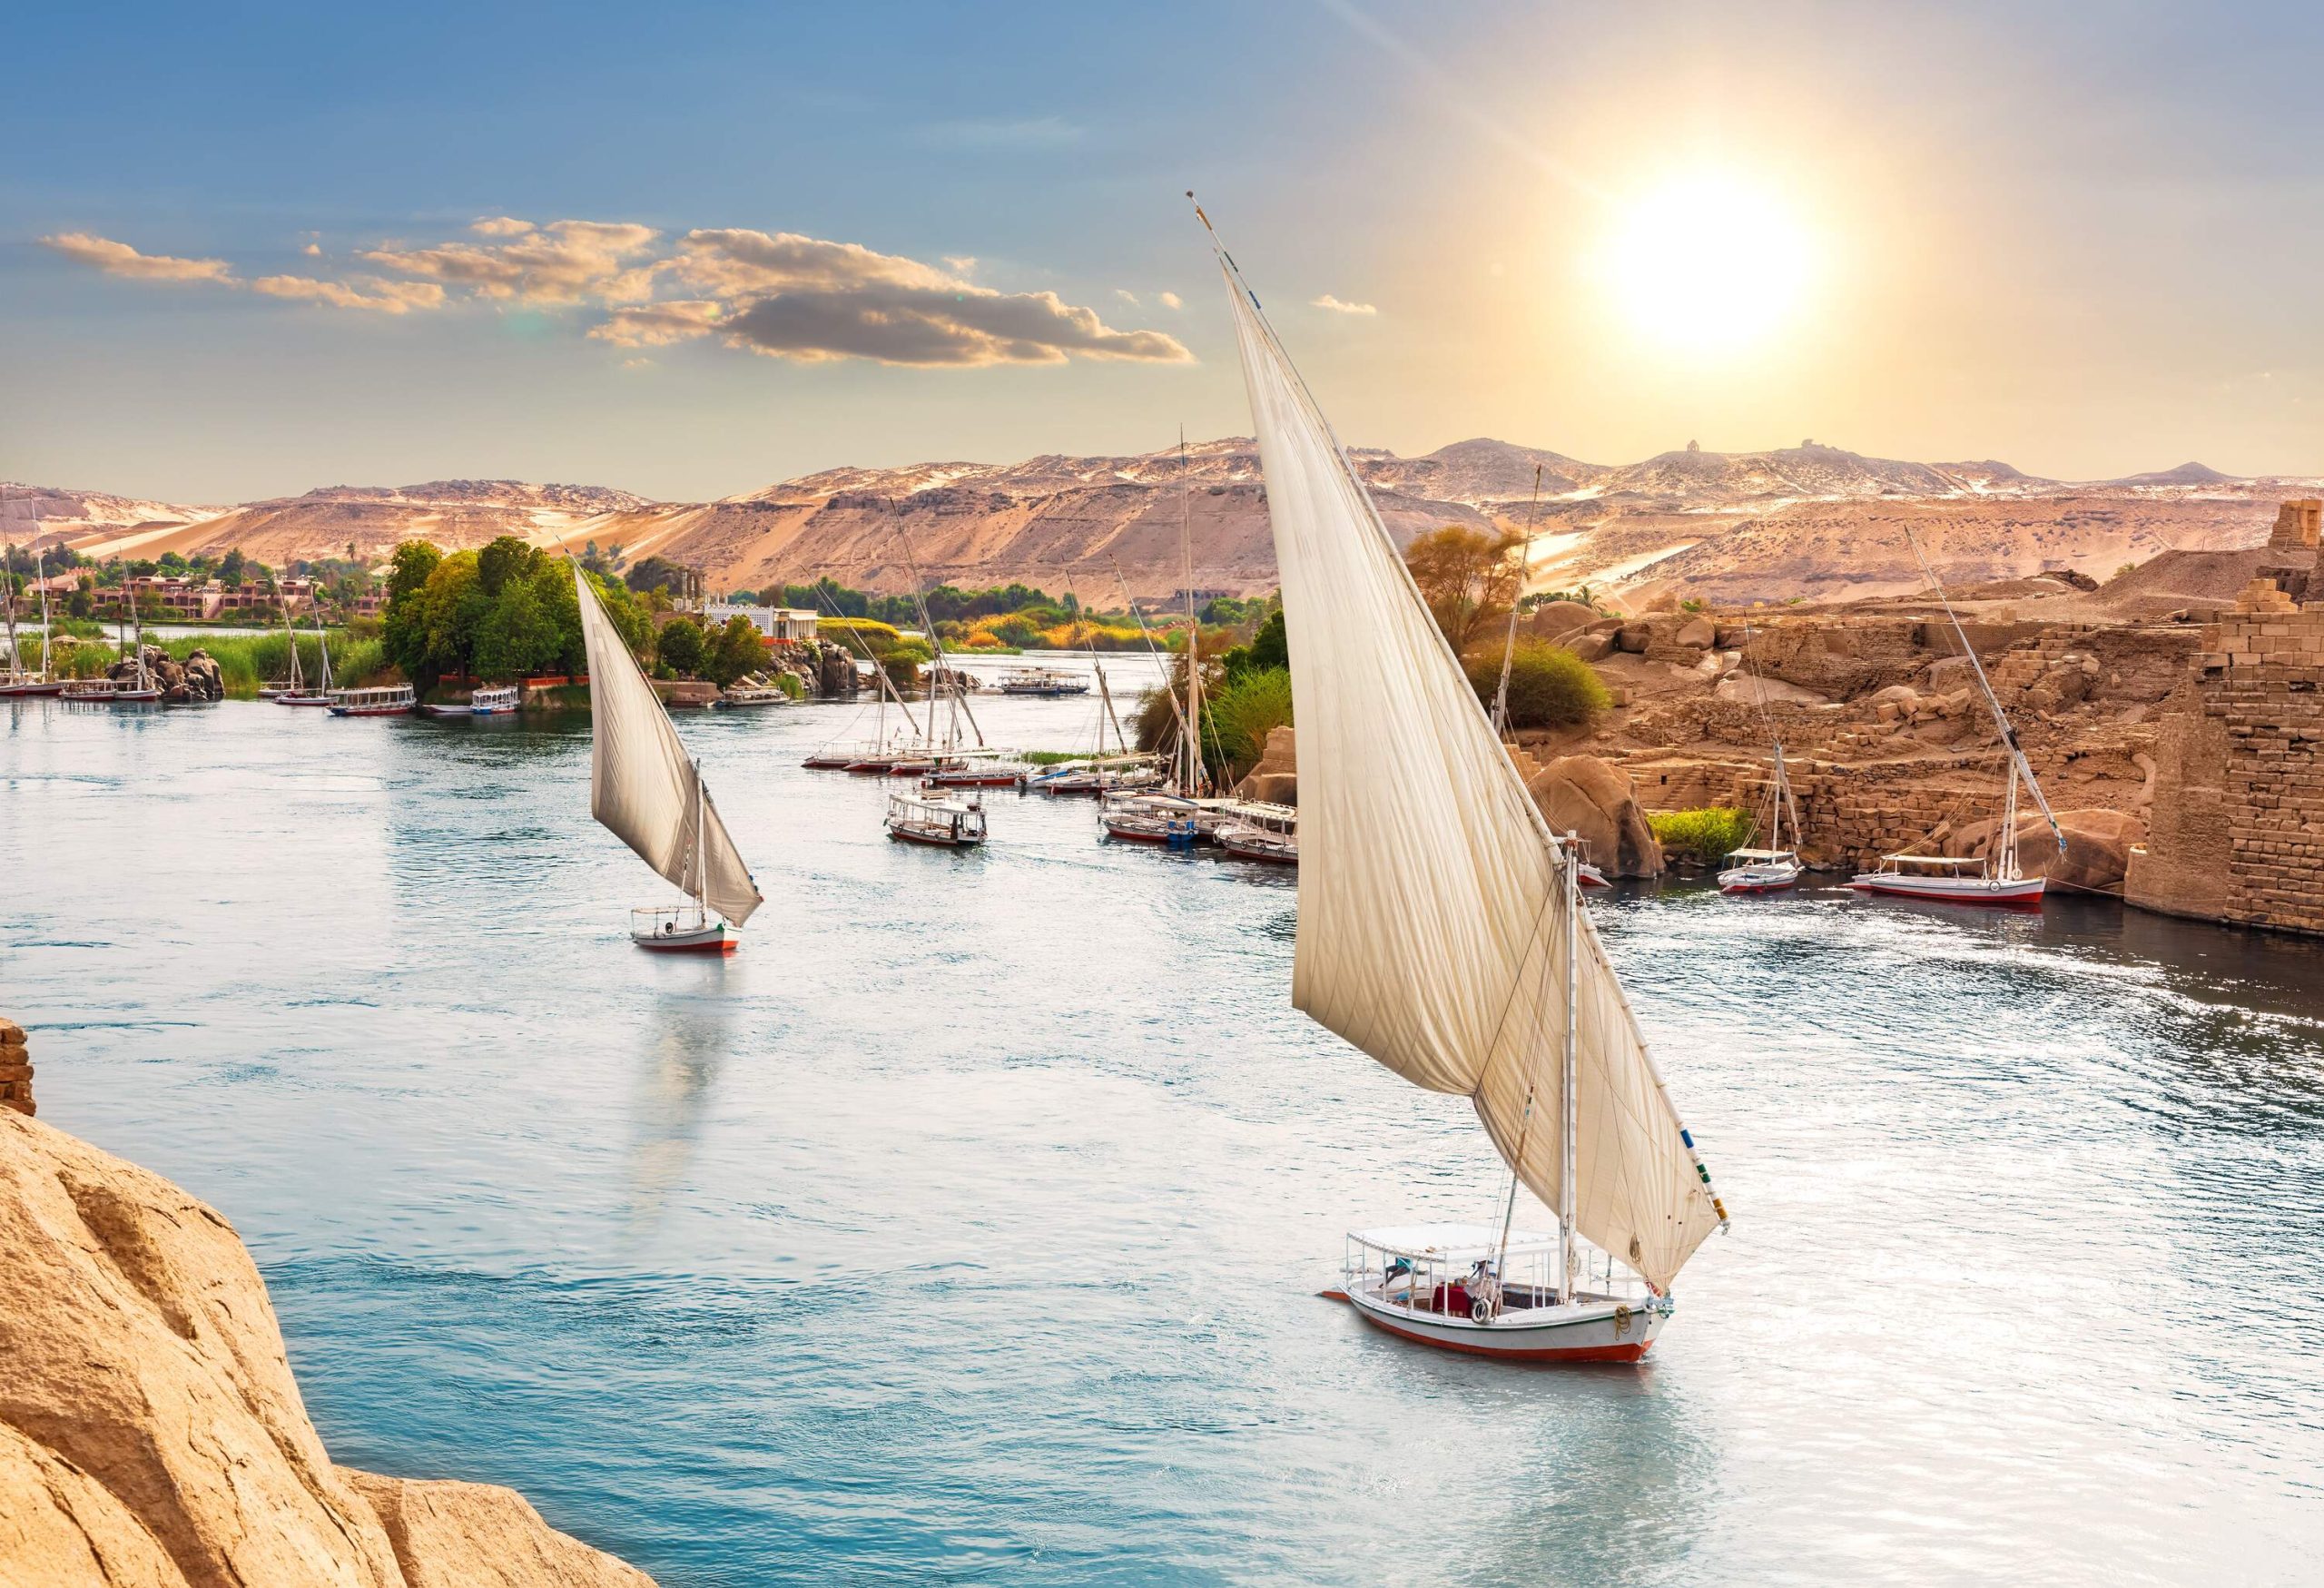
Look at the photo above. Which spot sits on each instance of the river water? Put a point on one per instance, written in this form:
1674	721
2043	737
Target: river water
966	1225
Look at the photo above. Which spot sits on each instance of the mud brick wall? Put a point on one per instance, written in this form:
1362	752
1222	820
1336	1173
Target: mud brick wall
16	1069
2239	829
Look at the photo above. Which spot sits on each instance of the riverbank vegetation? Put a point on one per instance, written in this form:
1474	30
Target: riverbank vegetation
507	611
1702	837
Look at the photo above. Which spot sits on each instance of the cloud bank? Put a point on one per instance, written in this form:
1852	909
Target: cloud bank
781	294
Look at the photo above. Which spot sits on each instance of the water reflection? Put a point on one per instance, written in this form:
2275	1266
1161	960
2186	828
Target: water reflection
686	1043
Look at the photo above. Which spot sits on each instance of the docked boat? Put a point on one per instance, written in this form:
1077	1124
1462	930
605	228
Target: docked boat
943	820
1948	878
1100	775
1775	869
752	689
1277	843
645	790
378	700
90	691
1167	819
1441	931
18	680
498	701
1993	878
1046	682
297	693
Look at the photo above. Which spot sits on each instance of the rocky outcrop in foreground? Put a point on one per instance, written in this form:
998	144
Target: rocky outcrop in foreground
151	1433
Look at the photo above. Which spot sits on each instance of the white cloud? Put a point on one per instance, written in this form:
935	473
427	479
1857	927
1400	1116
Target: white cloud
1126	296
960	265
313	251
118	258
656	325
373	292
499	226
566	262
1336	307
1169	300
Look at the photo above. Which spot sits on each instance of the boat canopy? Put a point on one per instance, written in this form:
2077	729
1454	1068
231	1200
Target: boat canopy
1939	861
1452	1243
1759	854
1433	932
643	786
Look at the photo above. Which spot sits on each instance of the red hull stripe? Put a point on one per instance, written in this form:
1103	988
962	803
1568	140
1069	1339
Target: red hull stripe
2020	902
1571	1354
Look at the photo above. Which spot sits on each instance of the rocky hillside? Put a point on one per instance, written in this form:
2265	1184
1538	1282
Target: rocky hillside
1811	521
151	1433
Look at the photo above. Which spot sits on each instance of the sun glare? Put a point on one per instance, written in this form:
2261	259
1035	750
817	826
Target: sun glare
1707	264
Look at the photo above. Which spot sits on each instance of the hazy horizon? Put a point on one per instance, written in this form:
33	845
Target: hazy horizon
293	248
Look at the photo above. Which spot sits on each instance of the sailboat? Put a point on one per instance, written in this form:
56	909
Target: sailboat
1993	878
1440	931
935	815
1171	815
19	679
295	692
1775	868
140	689
646	791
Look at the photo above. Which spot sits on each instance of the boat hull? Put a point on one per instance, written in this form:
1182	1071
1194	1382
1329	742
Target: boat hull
714	938
2025	893
935	837
1758	880
1576	1335
19	691
1244	849
370	710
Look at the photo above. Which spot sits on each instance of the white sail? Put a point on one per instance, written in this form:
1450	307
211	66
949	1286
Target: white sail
1430	932
644	786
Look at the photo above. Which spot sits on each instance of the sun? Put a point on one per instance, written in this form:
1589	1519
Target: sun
1708	264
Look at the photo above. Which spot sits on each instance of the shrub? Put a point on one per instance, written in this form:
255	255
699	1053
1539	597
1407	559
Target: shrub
1703	837
1548	685
1238	718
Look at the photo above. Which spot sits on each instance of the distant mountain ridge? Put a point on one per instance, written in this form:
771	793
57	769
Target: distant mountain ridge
1771	524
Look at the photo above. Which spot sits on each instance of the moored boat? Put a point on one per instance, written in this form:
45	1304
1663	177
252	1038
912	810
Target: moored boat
376	700
19	680
1166	819
977	772
1047	683
1441	931
1950	880
1277	845
497	700
1759	871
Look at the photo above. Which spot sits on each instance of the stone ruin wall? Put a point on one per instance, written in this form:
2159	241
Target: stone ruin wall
1849	815
2238	828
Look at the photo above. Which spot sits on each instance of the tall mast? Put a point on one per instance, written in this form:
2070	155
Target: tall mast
47	627
322	641
7	572
1192	732
1509	645
141	646
2018	766
1567	1201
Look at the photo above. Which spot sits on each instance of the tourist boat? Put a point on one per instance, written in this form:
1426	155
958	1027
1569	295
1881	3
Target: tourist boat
1166	819
1441	931
752	689
19	680
941	820
1995	877
378	700
1275	842
1949	879
89	691
1048	683
645	790
1102	775
497	700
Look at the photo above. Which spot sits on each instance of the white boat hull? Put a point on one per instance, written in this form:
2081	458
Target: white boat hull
2018	893
716	938
1589	1331
1759	879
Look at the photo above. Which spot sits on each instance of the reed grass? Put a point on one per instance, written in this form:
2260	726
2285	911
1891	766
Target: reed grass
1701	837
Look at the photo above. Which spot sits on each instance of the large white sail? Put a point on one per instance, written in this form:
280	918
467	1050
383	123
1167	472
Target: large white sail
1432	932
644	787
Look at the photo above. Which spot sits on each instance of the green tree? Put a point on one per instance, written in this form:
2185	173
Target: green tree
681	647
404	625
505	558
1271	647
737	651
1468	578
517	635
452	608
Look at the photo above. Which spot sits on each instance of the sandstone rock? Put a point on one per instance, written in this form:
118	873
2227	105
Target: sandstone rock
1275	776
1743	688
1948	674
1556	620
1699	634
1634	637
475	1535
1583	794
1904	696
2097	855
1592	647
150	1429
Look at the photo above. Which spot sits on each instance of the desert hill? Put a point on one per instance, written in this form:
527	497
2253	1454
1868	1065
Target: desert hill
1812	521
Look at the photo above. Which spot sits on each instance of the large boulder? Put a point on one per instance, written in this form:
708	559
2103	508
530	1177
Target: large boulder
203	681
2097	854
1275	776
1585	795
151	1433
1556	620
1697	634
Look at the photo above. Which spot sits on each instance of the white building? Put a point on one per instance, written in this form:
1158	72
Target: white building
784	623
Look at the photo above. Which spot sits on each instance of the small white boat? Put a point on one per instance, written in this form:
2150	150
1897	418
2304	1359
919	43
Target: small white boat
1047	683
1469	1287
380	700
943	821
645	790
1950	880
1271	838
1759	871
495	702
752	689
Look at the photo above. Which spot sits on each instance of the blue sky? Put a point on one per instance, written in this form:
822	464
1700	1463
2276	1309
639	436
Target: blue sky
2080	238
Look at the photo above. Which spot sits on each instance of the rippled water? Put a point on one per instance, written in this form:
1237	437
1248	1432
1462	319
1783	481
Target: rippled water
966	1225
